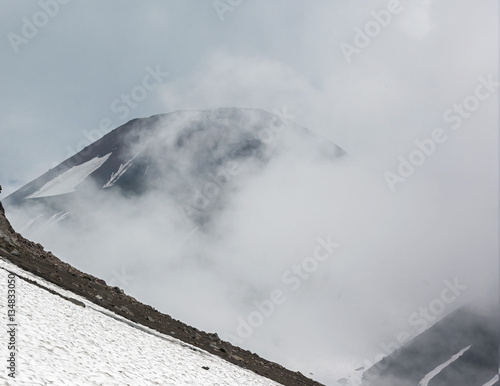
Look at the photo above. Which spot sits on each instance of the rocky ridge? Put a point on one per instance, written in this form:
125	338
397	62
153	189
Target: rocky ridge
32	257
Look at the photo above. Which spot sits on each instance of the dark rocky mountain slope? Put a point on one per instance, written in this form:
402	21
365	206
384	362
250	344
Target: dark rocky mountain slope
465	343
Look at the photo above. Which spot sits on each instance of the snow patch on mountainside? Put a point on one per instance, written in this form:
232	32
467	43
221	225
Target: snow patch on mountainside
425	381
63	343
120	172
54	219
68	181
492	381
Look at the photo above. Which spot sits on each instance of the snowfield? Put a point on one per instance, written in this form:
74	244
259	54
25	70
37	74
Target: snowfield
62	343
68	181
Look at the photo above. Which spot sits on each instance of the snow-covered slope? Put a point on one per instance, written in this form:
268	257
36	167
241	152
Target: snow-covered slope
76	342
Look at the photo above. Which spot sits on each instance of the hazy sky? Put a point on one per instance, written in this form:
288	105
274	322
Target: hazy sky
409	90
64	79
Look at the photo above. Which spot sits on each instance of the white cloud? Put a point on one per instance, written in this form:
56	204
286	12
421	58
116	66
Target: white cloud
443	220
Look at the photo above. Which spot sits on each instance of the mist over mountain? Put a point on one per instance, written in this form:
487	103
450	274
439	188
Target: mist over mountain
240	221
190	157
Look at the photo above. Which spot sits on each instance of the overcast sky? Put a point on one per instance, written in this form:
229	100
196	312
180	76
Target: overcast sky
393	84
62	78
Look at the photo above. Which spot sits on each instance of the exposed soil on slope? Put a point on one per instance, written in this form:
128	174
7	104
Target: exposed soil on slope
33	258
